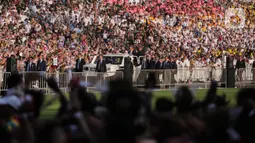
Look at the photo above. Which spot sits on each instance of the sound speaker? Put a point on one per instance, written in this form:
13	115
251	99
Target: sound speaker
230	72
11	65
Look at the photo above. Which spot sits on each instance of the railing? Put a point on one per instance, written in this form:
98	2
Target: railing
199	77
3	80
245	77
195	77
92	79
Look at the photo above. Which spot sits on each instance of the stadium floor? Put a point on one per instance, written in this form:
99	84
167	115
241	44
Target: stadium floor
50	111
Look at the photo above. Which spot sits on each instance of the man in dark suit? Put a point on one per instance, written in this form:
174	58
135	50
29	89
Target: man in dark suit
144	72
101	65
230	72
128	69
145	62
11	65
30	65
101	69
165	64
30	68
240	66
80	62
173	67
158	65
41	66
166	67
152	63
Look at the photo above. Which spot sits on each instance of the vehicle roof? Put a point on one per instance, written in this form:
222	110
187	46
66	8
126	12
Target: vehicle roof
124	55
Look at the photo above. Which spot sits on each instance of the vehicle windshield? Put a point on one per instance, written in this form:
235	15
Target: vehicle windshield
115	60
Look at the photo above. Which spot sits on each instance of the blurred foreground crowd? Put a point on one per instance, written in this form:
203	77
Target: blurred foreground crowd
62	30
124	115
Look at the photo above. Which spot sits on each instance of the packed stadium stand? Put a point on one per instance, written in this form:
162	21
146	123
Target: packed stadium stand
54	52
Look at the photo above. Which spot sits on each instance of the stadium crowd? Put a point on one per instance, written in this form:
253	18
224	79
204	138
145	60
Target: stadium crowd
194	34
123	115
50	35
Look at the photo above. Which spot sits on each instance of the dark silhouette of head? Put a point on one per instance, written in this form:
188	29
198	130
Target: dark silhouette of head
184	99
245	97
164	105
14	80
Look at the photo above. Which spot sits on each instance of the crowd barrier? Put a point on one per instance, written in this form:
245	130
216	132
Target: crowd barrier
200	77
196	77
91	79
3	80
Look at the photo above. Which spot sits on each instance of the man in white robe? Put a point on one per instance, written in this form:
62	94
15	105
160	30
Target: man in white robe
217	70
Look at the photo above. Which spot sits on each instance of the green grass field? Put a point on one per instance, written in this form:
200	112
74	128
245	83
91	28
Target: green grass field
50	111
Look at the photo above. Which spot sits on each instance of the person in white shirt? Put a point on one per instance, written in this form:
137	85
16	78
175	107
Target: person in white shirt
55	61
183	69
100	20
86	21
69	67
186	65
28	28
105	36
249	68
217	69
198	72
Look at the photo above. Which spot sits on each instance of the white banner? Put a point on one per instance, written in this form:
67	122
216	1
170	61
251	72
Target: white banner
247	1
235	18
134	1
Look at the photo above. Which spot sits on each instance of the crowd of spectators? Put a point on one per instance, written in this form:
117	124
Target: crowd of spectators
57	34
192	32
124	115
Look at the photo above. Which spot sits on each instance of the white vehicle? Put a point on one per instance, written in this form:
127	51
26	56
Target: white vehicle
114	62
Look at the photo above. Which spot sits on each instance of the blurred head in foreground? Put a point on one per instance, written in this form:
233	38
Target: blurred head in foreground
15	81
184	99
123	104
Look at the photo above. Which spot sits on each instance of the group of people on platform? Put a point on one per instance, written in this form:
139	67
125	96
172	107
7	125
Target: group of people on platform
201	70
168	69
16	63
